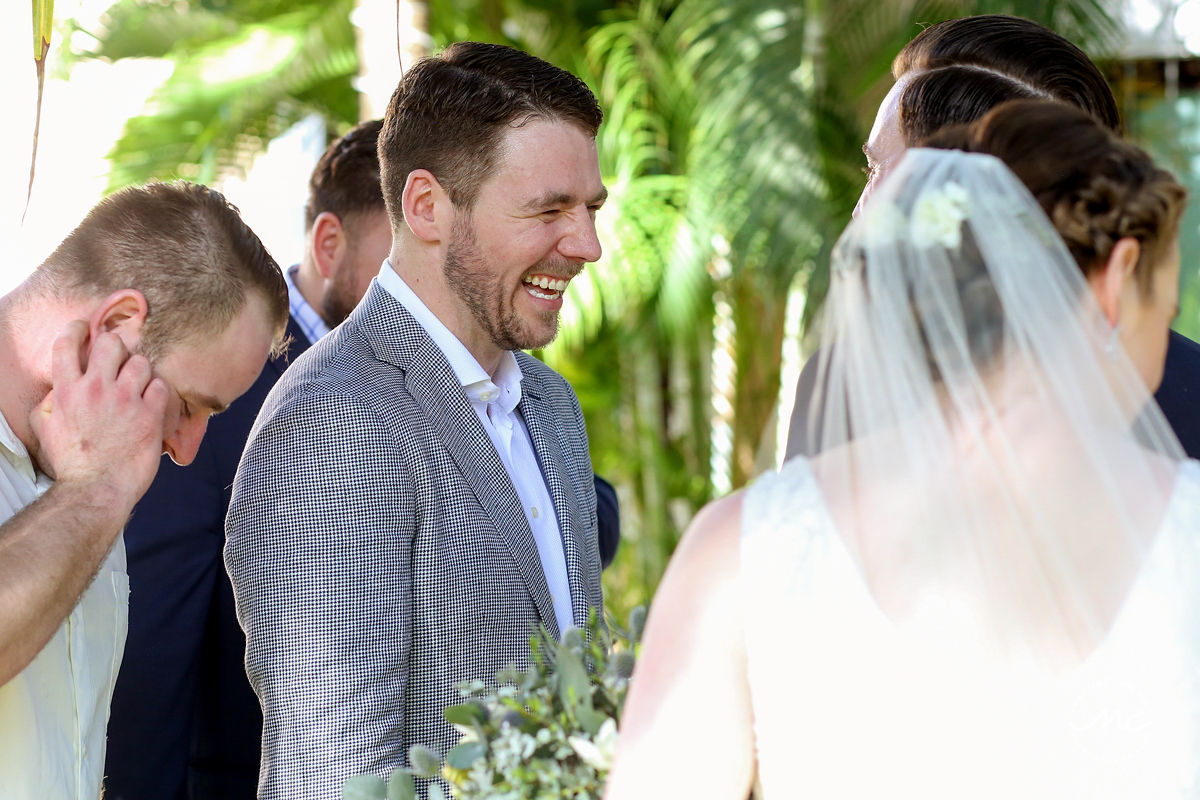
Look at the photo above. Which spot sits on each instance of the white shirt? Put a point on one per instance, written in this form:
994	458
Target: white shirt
305	315
495	400
53	715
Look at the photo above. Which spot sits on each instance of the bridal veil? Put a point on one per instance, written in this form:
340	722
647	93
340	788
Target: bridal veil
985	449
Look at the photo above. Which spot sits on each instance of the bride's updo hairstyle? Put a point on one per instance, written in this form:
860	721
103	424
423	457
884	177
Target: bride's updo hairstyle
1095	187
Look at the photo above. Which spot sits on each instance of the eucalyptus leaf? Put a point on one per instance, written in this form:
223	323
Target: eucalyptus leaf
591	720
574	686
400	786
436	792
425	761
464	755
364	787
637	623
466	714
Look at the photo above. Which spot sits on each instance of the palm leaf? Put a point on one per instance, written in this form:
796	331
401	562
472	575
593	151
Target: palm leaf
228	97
43	23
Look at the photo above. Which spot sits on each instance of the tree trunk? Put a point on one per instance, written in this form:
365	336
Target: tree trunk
392	36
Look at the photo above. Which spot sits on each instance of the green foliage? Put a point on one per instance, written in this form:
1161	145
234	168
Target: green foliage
243	74
546	732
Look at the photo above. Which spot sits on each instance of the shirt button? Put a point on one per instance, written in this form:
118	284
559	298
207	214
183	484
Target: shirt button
485	396
535	512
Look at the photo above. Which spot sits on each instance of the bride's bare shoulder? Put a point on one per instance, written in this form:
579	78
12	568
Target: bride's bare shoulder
710	543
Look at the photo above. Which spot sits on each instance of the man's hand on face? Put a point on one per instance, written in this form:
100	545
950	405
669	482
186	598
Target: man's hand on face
102	424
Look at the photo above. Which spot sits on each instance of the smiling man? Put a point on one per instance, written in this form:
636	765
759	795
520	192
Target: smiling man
155	313
417	493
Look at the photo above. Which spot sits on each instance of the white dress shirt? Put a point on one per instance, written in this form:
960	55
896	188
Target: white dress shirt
54	713
495	400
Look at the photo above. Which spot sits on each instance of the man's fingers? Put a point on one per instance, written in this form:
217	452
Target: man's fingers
108	356
136	371
155	396
65	359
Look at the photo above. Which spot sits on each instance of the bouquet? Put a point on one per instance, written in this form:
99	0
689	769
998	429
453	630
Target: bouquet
546	732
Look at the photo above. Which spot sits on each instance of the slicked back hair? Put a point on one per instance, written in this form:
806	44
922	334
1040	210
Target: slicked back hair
962	68
345	181
183	246
451	111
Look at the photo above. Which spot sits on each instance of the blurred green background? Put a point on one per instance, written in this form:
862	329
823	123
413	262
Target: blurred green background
731	149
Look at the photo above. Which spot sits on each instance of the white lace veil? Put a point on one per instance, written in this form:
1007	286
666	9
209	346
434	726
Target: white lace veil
985	448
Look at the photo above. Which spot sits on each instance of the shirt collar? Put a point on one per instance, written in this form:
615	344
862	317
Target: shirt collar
504	388
305	315
13	450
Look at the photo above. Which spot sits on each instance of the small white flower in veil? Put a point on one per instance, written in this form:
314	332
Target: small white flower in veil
938	216
885	224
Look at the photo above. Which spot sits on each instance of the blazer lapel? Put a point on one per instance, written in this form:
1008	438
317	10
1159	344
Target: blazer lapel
542	421
433	384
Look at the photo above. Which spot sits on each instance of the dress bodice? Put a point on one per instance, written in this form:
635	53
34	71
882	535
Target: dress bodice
845	705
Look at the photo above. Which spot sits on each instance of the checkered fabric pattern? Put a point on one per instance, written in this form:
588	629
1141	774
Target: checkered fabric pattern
379	553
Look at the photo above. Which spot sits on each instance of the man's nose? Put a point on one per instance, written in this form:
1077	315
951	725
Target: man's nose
581	243
183	443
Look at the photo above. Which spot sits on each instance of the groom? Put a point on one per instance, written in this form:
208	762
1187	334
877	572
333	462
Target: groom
416	494
955	72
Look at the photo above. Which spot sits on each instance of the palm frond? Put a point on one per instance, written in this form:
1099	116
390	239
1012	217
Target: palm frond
226	99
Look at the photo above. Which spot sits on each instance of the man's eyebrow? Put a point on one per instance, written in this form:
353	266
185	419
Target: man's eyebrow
556	199
205	401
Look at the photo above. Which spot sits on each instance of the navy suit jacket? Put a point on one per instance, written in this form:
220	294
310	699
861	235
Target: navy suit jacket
185	723
1179	393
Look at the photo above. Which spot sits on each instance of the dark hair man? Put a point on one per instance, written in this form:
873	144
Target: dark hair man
417	493
156	312
955	72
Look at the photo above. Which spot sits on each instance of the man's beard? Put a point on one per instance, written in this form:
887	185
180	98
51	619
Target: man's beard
339	300
482	291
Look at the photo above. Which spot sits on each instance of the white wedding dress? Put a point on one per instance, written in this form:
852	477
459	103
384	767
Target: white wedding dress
847	707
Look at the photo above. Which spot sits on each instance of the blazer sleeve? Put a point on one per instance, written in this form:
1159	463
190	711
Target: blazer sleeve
319	538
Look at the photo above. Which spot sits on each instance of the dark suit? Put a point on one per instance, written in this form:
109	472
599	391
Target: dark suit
185	722
1179	393
1178	396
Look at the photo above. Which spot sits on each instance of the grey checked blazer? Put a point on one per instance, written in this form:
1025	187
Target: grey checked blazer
379	553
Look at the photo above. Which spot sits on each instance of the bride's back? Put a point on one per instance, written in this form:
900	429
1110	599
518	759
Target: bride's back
986	569
984	438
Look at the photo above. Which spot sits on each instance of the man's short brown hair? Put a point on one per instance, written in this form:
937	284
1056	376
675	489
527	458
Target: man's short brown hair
345	181
451	111
183	246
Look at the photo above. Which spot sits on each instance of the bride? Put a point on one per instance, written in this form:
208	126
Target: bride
985	584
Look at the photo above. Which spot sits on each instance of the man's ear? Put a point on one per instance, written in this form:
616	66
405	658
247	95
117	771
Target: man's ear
329	243
1110	281
124	313
426	206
